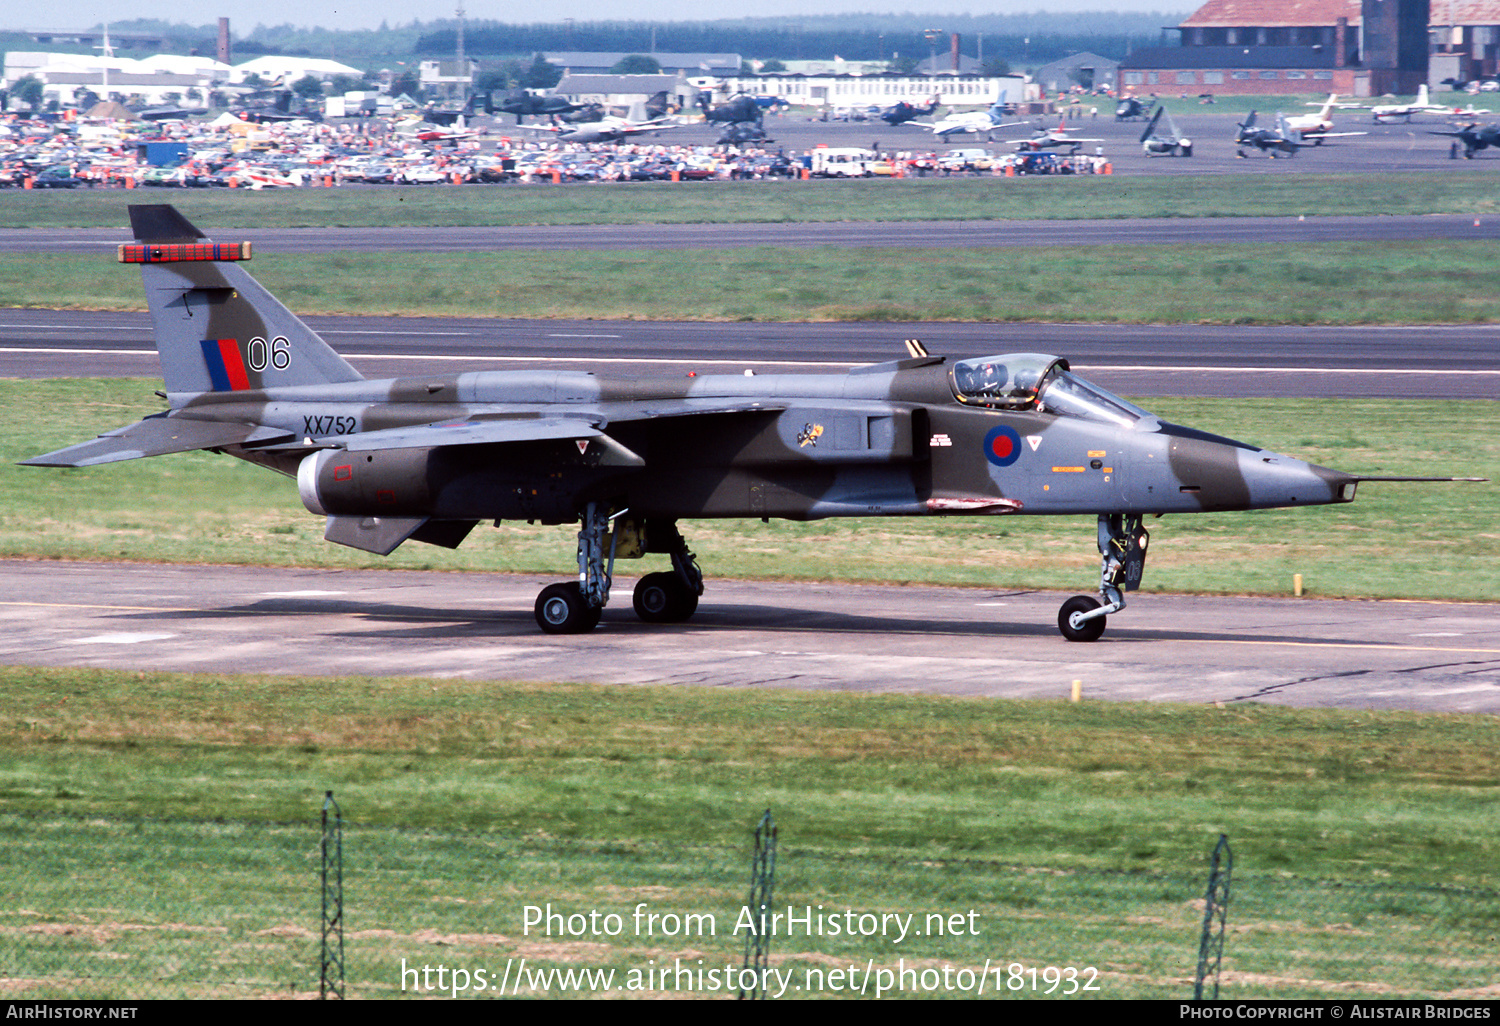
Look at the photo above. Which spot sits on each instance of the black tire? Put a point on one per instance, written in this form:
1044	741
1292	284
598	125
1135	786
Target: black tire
1090	630
560	609
663	598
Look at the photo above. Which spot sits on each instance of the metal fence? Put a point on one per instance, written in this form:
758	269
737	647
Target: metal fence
134	909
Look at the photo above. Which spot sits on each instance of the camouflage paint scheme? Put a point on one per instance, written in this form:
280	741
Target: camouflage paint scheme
427	458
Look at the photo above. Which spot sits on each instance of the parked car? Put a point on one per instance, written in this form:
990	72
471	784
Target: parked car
56	178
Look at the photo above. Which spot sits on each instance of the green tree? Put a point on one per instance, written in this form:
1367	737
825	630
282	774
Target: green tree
541	75
29	91
349	84
995	67
491	81
772	65
407	84
636	64
309	87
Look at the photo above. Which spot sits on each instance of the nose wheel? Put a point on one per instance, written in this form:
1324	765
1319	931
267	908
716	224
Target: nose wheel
1080	630
1122	550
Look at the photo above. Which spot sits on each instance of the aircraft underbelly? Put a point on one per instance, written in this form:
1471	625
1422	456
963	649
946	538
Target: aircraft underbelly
789	493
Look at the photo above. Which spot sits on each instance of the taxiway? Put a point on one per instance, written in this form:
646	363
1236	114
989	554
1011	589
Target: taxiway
954	641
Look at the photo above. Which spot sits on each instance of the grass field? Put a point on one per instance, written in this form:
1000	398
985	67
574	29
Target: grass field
1266	283
152	822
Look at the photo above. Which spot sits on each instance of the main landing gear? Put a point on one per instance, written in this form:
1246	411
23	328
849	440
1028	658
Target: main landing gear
1122	549
667	597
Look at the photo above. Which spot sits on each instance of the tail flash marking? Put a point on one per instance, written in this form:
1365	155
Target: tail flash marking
226	368
183	252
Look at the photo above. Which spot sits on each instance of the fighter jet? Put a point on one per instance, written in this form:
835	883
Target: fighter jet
1270	141
427	458
1161	138
1052	138
1474	138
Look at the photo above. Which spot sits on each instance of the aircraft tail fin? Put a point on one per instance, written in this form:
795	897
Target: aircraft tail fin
217	328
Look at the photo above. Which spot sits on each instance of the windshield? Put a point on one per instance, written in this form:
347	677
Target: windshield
1033	381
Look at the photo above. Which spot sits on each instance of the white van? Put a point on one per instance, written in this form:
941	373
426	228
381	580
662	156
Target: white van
841	162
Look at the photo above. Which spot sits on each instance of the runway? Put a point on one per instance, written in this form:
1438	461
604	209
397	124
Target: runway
1009	234
950	641
1399	362
971	234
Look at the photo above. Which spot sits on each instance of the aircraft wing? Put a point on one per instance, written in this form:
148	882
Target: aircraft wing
694	408
156	436
503	430
650	126
491	432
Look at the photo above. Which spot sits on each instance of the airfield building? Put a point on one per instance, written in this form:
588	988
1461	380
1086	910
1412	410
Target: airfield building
1354	47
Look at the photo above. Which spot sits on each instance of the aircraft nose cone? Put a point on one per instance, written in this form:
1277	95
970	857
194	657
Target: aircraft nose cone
1223	474
1275	480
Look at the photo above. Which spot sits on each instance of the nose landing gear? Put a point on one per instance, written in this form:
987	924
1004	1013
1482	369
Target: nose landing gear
1122	549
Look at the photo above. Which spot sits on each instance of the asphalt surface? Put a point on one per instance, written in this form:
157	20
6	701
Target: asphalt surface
970	642
1440	362
1011	234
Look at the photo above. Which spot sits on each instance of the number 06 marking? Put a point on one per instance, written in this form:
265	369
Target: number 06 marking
259	355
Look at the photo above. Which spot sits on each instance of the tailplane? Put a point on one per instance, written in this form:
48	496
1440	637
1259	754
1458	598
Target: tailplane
217	329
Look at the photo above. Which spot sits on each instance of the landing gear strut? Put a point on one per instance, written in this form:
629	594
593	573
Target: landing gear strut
574	608
670	597
1122	549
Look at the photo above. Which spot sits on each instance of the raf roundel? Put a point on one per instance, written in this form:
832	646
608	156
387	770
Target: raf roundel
1002	446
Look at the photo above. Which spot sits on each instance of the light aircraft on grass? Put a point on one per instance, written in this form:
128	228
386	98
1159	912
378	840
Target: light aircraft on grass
427	458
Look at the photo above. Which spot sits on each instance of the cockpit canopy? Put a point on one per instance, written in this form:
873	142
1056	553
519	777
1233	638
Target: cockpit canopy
1034	381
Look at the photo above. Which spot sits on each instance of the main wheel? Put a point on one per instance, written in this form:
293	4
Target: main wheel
560	609
663	598
1089	630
